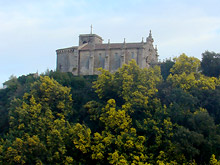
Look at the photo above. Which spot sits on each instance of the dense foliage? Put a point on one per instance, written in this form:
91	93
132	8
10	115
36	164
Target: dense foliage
211	64
167	114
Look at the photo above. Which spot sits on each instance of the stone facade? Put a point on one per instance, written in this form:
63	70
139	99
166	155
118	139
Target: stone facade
92	54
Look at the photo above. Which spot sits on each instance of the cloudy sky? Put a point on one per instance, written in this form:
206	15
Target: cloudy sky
31	30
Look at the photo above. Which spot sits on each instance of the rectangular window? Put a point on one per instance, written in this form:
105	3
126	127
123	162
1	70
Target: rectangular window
132	55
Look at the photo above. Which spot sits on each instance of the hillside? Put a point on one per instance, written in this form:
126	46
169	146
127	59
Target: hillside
167	114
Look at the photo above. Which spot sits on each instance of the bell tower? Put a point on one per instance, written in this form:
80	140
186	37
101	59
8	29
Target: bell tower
90	39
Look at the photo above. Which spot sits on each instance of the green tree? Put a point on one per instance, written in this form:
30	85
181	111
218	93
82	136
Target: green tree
15	88
214	161
129	84
38	125
185	64
210	64
165	68
185	75
135	91
118	141
136	119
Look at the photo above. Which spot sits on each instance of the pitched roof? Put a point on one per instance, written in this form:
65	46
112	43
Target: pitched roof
67	49
111	46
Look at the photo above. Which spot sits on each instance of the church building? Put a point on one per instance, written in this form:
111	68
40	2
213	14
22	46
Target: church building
92	54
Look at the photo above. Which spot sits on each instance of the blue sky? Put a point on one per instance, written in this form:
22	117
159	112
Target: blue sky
31	30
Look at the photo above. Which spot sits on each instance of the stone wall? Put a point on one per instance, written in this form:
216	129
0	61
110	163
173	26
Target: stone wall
89	38
84	63
91	54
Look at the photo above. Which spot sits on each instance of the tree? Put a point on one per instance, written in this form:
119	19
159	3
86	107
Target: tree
210	64
165	68
185	64
118	141
136	118
214	161
185	75
128	84
38	124
135	91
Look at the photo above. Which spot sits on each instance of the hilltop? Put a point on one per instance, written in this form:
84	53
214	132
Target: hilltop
166	114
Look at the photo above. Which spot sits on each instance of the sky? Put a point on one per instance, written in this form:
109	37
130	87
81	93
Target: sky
32	30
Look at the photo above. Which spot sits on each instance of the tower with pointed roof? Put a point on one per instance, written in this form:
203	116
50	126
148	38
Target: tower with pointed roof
92	53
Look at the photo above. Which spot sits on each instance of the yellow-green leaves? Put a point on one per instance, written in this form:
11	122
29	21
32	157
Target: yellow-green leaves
213	160
99	147
39	125
81	137
185	64
127	124
115	158
129	84
51	94
22	151
104	84
113	119
186	75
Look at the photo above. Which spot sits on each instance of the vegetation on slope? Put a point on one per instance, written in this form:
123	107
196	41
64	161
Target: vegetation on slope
168	114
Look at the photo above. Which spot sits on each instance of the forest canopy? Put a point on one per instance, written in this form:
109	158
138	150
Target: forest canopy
165	114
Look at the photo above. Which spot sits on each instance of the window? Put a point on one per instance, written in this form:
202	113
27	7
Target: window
132	55
116	62
101	61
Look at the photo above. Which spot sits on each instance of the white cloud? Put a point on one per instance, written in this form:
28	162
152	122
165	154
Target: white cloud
31	31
